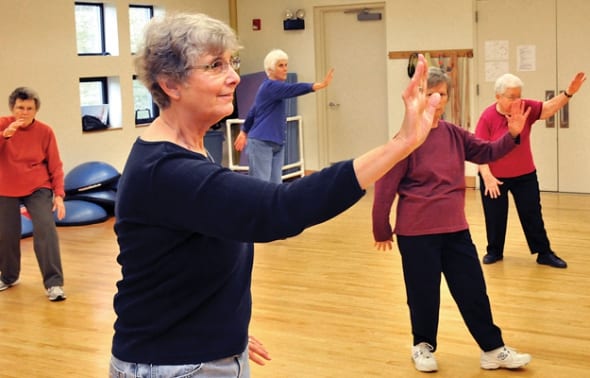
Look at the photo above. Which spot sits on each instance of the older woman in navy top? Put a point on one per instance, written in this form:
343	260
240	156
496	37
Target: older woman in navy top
185	233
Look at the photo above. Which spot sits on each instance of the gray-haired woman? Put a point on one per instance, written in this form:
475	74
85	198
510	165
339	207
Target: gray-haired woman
185	232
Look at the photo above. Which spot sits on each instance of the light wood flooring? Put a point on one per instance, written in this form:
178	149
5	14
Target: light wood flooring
326	303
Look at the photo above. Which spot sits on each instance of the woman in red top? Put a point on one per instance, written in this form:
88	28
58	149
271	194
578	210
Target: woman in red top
31	173
516	172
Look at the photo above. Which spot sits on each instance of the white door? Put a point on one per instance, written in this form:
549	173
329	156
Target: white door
573	55
510	23
355	105
547	34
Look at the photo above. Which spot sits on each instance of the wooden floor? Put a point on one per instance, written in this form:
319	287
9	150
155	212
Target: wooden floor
326	304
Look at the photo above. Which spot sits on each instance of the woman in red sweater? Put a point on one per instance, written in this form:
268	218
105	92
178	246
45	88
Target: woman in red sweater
31	173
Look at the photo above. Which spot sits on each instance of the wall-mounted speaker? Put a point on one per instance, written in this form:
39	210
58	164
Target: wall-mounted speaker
294	24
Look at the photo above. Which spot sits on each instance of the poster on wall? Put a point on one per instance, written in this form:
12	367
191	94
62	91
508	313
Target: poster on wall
496	54
526	58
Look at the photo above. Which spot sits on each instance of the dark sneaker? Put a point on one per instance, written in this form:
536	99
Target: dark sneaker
491	258
551	259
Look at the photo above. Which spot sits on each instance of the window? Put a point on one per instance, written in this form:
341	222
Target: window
100	97
139	16
90	29
145	109
94	102
96	29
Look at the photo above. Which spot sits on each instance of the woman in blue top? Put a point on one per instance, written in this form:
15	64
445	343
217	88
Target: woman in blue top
265	127
185	233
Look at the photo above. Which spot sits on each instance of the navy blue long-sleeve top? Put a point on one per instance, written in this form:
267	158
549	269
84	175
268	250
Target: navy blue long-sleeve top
185	228
267	119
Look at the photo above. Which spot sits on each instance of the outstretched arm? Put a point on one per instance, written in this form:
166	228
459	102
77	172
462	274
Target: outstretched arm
550	107
418	118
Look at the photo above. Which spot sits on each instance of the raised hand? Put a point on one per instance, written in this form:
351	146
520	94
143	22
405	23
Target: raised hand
576	83
517	117
419	107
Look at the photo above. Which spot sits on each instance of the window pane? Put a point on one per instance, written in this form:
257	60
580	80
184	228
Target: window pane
139	16
145	109
91	93
89	29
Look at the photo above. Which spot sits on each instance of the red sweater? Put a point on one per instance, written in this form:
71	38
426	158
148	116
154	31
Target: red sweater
29	160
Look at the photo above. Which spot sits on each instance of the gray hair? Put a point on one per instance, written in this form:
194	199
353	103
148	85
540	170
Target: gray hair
173	43
271	59
23	93
437	76
507	81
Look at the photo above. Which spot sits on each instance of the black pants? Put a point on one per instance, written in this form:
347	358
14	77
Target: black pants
424	258
527	199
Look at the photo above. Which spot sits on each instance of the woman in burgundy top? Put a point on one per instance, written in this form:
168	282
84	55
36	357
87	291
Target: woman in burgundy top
433	234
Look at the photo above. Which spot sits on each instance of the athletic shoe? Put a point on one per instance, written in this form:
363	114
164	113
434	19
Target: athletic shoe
56	293
504	357
423	358
4	286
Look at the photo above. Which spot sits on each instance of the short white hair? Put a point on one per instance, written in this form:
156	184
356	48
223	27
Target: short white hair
271	59
507	81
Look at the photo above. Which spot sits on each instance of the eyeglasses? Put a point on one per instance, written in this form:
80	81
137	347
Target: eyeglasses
511	98
219	66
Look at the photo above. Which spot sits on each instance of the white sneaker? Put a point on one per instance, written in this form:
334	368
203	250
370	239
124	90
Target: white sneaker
56	293
4	286
504	357
423	358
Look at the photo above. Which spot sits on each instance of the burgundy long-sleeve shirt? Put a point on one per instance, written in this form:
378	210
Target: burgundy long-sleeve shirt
29	160
430	183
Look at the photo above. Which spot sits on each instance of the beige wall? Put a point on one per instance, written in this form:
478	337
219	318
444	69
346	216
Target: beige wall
38	49
411	25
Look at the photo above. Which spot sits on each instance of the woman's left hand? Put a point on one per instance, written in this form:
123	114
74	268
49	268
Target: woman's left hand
576	83
256	351
58	204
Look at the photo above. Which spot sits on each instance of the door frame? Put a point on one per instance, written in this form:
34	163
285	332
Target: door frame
321	65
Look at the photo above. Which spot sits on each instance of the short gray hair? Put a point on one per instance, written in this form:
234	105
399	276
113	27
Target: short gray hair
271	59
507	81
173	43
437	76
23	93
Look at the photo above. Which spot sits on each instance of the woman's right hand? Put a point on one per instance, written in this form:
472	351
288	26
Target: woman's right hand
384	245
11	129
492	186
241	141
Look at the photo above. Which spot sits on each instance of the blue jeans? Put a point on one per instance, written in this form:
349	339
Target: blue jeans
265	160
231	367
